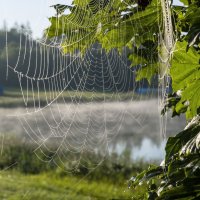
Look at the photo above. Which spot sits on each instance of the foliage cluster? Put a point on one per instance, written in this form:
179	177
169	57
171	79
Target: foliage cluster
179	174
115	25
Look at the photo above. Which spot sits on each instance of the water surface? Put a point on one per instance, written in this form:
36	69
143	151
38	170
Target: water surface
109	127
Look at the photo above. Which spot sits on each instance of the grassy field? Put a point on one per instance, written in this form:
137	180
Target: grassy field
13	97
24	176
17	186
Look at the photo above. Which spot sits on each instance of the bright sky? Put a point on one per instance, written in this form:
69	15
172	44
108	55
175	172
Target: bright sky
36	12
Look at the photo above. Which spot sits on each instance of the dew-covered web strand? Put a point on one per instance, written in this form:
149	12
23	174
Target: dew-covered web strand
167	43
55	83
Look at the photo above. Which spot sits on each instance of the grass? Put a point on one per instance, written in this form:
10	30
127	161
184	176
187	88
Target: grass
13	98
24	176
46	186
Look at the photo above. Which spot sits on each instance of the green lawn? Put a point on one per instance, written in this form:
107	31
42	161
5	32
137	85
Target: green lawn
17	186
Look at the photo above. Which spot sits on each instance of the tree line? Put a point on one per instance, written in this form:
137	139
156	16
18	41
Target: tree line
108	72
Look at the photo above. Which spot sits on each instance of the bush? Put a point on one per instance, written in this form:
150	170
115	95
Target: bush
22	156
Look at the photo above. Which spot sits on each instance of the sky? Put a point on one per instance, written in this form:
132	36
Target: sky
36	12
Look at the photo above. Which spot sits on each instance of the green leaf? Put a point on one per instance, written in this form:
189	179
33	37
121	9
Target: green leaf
175	144
185	2
185	73
147	71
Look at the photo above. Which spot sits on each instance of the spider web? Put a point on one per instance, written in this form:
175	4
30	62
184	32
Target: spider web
82	83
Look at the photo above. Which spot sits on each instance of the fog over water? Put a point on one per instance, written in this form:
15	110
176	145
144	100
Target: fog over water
110	126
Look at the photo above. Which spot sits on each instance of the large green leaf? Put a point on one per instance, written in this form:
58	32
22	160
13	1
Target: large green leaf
185	66
185	73
192	18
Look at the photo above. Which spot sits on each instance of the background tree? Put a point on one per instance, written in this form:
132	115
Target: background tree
31	56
